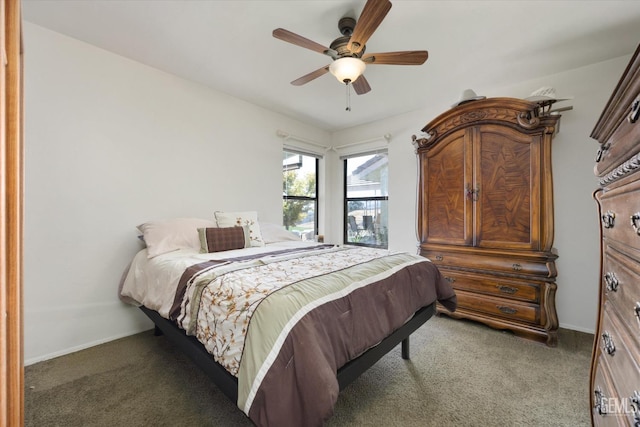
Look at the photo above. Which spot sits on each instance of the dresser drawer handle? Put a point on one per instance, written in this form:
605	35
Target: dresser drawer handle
635	222
635	399
439	257
450	279
507	289
635	111
516	267
506	310
601	151
598	401
612	281
608	219
609	346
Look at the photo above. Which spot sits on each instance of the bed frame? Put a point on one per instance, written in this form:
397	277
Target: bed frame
347	374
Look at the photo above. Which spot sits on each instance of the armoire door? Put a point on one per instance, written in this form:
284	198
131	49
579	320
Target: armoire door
507	184
447	207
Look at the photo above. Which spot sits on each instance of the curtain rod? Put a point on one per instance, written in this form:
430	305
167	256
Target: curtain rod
386	137
287	136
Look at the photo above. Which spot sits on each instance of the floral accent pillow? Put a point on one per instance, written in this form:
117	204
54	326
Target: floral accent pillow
249	218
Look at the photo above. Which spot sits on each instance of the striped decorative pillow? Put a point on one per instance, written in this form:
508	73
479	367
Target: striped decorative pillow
217	239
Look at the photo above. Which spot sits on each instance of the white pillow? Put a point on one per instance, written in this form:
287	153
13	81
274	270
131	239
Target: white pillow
272	233
172	234
249	218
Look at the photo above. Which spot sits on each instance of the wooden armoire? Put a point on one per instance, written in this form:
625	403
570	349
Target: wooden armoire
615	364
485	212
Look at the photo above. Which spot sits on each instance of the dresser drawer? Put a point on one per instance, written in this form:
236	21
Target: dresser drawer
492	263
620	219
623	142
621	287
603	399
490	285
617	350
501	307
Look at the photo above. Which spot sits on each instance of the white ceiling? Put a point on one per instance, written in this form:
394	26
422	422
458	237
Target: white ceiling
228	46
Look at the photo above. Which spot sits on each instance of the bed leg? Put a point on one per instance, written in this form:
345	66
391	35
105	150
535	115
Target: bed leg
405	348
157	331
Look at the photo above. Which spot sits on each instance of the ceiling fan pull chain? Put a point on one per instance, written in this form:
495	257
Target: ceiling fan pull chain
348	96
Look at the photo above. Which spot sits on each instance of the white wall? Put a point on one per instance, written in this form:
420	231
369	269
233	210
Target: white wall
111	143
576	220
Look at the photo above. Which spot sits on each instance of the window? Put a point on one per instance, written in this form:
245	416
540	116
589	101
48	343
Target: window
366	203
300	194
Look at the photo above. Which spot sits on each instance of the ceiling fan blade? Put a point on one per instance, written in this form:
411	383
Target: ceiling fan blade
311	76
293	38
408	57
370	18
361	85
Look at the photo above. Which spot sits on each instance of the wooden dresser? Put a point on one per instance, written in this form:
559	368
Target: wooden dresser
615	364
485	212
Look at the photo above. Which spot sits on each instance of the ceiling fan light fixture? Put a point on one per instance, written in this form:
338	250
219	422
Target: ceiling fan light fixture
347	69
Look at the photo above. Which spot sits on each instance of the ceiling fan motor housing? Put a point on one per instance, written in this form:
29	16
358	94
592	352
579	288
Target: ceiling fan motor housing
346	25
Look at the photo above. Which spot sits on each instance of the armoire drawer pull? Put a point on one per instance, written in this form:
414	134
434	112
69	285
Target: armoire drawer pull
507	289
612	281
516	267
450	279
609	346
635	222
598	403
507	310
439	257
608	219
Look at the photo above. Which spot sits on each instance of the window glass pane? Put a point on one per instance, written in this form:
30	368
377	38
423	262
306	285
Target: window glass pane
367	176
367	222
299	216
366	200
299	175
299	193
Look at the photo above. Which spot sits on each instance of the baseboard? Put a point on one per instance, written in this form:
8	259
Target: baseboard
84	346
578	328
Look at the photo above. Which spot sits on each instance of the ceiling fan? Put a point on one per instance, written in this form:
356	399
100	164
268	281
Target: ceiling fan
349	59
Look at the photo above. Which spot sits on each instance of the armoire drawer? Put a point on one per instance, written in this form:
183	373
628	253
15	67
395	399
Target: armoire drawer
617	351
490	285
620	219
622	293
501	307
491	263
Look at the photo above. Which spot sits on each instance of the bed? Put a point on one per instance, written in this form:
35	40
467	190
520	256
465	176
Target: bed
281	325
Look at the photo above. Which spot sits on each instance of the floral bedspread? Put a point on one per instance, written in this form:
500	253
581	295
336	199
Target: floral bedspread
233	291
